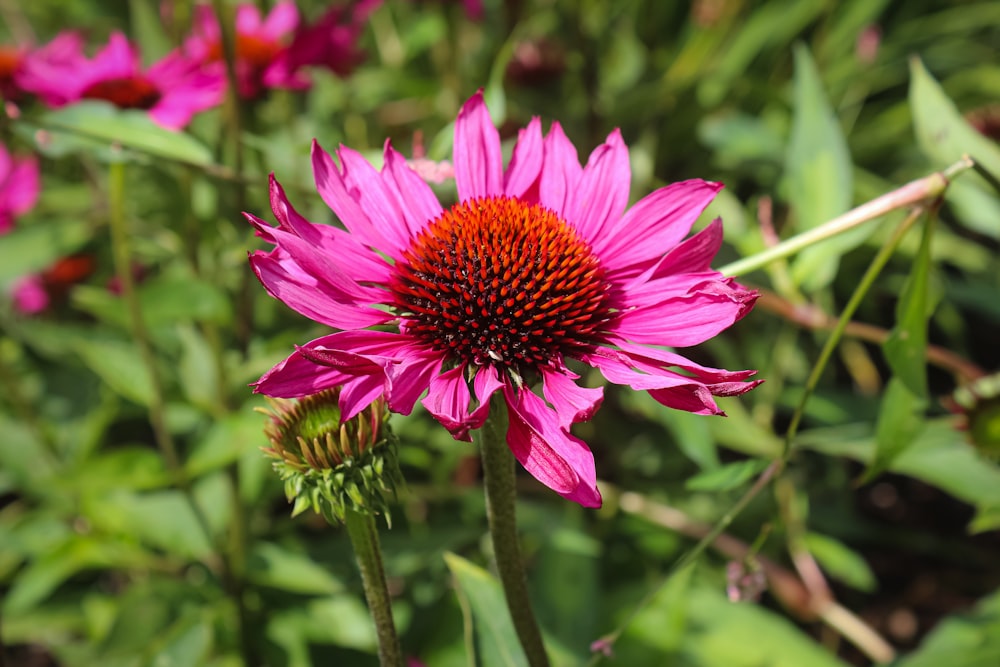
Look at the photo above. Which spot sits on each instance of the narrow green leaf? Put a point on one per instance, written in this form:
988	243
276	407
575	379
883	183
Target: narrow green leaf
119	365
899	423
101	129
727	477
498	641
841	562
907	343
818	175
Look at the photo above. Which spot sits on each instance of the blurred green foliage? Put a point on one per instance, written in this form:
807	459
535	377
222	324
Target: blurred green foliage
112	555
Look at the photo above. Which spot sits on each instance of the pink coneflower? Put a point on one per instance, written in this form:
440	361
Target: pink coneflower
19	183
18	62
331	41
538	263
172	90
262	56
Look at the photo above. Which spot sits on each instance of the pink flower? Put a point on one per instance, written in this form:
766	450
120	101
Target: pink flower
17	63
331	41
537	263
29	295
172	90
262	56
19	184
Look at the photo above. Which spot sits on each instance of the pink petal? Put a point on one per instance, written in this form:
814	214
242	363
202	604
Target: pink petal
600	198
561	172
477	156
526	161
410	377
686	320
649	357
448	401
654	225
554	457
20	191
572	403
247	19
416	199
693	254
283	20
298	376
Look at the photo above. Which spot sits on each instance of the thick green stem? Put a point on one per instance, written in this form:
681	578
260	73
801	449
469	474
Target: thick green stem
364	538
501	509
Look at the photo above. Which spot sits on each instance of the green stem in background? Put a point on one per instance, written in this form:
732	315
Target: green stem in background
363	532
912	193
501	509
122	252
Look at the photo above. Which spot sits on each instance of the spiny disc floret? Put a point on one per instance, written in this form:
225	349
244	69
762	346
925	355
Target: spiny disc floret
498	281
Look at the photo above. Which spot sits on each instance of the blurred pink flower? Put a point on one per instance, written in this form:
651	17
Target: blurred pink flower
171	90
331	40
17	63
19	184
536	264
29	295
262	56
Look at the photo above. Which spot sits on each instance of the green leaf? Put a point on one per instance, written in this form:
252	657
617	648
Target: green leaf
101	129
163	301
274	566
899	422
841	562
907	343
727	477
565	580
965	640
163	519
227	440
33	247
818	175
119	365
498	641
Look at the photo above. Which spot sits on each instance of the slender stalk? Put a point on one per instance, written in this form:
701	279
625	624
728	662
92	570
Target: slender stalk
122	251
501	509
912	193
364	538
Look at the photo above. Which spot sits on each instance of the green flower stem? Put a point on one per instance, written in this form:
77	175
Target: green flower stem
912	193
364	538
501	509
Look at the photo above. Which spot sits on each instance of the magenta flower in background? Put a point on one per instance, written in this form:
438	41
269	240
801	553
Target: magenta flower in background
171	90
538	263
29	295
19	185
20	65
262	55
332	40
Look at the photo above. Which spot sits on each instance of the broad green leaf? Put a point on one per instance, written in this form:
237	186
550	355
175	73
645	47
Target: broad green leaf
274	566
693	437
818	175
22	456
841	562
907	343
900	421
227	440
498	641
131	467
187	642
726	477
963	640
163	519
111	134
198	373
32	248
565	580
163	301
119	365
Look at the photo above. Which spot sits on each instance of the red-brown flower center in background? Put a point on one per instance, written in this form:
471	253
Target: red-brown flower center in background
256	52
127	92
497	281
10	62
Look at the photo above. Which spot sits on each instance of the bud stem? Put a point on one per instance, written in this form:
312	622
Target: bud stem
501	509
364	538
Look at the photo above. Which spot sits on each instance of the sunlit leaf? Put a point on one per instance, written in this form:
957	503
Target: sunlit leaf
726	477
841	562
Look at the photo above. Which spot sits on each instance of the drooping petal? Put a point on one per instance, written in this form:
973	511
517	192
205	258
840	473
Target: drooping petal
417	200
654	225
448	401
555	458
408	378
299	376
602	195
693	254
561	171
478	160
572	402
526	161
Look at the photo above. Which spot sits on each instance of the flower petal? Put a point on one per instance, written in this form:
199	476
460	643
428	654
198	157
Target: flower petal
561	173
654	225
417	200
554	457
478	160
526	161
572	402
600	199
448	401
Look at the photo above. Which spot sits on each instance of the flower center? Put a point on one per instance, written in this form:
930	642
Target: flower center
256	52
127	92
503	282
10	62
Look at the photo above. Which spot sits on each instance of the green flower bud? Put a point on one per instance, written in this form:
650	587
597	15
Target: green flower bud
332	466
